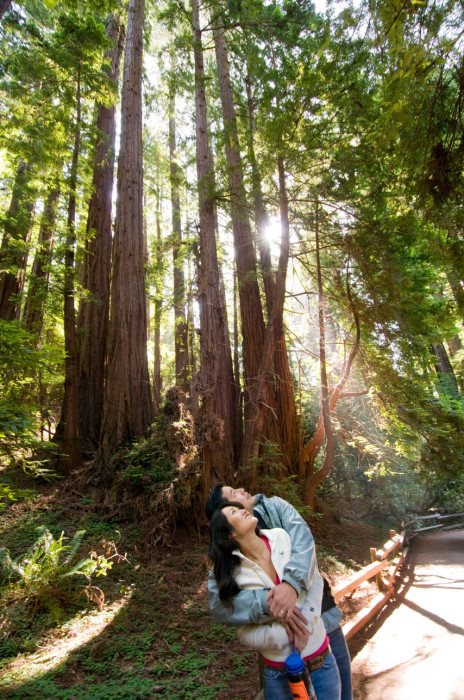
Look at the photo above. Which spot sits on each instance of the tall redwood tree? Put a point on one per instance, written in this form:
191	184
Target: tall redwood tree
128	406
92	322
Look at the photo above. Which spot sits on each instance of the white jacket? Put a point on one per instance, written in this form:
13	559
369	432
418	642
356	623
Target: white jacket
271	638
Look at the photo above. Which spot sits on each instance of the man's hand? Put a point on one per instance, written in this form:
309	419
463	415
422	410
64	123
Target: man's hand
281	600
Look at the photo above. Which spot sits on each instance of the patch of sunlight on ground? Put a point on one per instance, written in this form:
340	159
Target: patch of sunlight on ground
75	633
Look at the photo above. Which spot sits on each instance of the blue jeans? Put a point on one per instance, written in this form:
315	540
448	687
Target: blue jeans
342	657
326	682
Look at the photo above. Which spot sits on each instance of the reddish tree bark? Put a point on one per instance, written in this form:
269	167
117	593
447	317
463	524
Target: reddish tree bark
259	391
67	433
180	322
251	312
94	310
285	399
128	406
215	383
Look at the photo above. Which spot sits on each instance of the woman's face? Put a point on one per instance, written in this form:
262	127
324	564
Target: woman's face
240	519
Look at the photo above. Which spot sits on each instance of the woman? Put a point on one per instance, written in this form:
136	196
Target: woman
244	557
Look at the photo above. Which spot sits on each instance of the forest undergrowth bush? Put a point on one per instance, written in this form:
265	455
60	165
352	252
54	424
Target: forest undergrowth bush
50	575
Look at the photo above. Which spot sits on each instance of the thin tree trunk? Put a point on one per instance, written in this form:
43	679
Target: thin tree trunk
316	479
93	315
180	323
217	414
157	381
447	379
40	273
309	452
13	253
67	434
128	406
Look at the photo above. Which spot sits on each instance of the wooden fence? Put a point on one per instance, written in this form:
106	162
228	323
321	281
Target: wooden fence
386	563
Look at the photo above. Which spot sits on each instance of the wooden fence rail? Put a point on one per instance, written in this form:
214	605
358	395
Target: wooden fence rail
380	562
391	556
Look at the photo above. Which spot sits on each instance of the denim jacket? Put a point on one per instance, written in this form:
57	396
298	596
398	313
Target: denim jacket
250	606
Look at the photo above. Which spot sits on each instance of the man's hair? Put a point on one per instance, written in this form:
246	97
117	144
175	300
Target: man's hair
215	501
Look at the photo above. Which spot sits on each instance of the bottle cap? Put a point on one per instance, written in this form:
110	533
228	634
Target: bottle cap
294	663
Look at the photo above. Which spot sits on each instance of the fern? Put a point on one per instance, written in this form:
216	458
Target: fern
47	573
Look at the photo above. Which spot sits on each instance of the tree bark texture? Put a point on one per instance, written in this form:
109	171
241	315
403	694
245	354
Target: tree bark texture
285	398
215	383
13	253
250	302
40	273
93	315
128	407
259	391
67	434
180	322
157	379
251	312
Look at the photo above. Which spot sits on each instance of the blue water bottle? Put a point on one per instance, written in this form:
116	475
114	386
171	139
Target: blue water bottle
298	678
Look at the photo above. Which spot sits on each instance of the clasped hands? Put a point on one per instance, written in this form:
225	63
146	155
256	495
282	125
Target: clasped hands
281	600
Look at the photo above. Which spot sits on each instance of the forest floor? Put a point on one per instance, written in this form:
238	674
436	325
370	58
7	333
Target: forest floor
154	636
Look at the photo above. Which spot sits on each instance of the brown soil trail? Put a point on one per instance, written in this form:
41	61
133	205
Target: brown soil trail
418	652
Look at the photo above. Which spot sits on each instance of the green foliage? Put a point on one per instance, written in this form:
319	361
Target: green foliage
22	367
49	574
275	482
147	463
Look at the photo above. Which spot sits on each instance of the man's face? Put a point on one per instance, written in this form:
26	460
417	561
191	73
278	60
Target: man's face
238	496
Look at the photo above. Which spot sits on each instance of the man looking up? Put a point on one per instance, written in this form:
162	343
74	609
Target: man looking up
261	605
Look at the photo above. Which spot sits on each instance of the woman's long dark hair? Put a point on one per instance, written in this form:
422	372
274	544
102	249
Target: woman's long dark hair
221	552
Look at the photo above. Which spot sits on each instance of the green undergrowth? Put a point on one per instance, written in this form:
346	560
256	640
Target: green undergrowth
153	636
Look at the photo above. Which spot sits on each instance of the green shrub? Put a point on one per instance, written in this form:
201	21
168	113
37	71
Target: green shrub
49	574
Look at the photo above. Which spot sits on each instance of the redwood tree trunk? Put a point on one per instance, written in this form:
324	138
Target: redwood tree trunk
128	406
215	383
67	434
39	277
158	303
252	320
180	322
258	394
13	254
285	399
94	310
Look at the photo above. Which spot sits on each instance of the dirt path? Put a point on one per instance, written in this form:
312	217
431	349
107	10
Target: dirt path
418	652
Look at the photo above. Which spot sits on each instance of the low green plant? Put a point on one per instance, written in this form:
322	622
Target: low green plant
147	463
50	574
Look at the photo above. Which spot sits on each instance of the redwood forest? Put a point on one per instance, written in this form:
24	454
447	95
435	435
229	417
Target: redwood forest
232	250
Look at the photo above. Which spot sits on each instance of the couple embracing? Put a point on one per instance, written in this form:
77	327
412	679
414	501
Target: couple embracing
265	581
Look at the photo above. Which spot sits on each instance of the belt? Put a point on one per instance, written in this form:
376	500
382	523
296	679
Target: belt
316	662
312	664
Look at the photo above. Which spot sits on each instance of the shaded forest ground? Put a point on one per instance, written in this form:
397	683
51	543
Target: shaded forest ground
154	636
